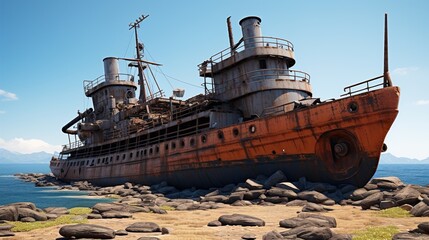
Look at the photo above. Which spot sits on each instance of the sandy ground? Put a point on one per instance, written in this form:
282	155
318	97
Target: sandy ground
192	225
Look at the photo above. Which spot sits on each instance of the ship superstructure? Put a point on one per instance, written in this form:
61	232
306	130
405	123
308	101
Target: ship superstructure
257	116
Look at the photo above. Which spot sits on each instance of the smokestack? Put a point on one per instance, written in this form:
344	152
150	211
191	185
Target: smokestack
251	28
231	38
386	74
111	69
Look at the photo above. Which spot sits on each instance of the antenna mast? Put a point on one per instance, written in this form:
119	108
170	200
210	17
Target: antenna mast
136	25
386	75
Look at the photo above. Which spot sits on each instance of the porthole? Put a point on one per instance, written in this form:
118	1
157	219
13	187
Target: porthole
204	138
235	132
182	143
252	128
353	107
220	135
173	145
192	142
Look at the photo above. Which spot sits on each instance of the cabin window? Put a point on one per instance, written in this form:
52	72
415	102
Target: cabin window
98	161
123	156
111	159
262	64
131	155
204	138
235	131
166	147
157	149
145	152
192	142
150	151
137	154
117	158
182	143
220	135
173	145
252	128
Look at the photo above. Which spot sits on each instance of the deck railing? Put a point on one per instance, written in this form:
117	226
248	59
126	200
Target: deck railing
90	84
364	86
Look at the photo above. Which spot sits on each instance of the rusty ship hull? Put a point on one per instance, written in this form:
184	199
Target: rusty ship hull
257	116
299	143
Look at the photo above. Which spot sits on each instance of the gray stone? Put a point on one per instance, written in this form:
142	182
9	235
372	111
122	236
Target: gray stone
312	196
420	210
157	210
321	187
394	180
212	193
241	219
148	238
188	206
313	207
6	227
165	231
248	236
87	231
347	188
6	233
288	186
407	195
215	223
273	235
370	186
341	237
121	233
241	203
359	194
216	198
276	199
9	213
371	200
228	188
410	236
424	226
274	179
57	210
28	205
305	232
329	202
280	192
385	204
406	207
104	207
253	185
143	227
321	220
253	194
27	212
116	214
296	203
235	196
27	219
94	216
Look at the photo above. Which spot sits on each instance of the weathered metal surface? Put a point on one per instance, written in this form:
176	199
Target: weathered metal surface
256	122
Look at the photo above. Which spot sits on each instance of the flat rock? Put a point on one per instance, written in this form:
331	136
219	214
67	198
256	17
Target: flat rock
306	232
407	195
288	186
253	194
27	219
371	200
94	216
148	238
253	185
143	227
420	210
9	213
392	179
27	212
121	233
57	210
28	205
157	210
248	236
410	236
6	227
116	214
341	237
280	192
320	220
87	231
312	196
241	219
273	235
275	178
313	207
216	198
385	204
241	203
5	233
215	223
297	203
104	207
424	226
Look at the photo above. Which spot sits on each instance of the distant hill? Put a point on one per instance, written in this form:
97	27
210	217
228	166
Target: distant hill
387	158
13	157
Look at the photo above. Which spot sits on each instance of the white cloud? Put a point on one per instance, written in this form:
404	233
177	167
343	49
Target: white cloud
404	71
21	145
423	102
7	96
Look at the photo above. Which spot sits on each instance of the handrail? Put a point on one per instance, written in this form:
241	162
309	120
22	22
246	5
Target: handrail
258	41
90	84
349	89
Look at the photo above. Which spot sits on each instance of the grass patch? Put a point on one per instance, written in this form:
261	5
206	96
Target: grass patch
28	226
167	208
395	212
376	233
80	211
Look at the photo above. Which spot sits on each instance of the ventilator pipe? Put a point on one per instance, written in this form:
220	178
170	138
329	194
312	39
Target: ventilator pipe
66	127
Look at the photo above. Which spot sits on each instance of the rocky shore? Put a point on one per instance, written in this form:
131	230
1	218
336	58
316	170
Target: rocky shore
313	206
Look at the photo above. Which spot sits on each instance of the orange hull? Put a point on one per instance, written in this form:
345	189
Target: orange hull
337	142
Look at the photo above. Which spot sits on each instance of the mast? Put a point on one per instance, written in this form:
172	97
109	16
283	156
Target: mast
141	81
386	75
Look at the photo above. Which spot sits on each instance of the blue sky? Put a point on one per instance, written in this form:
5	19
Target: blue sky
48	47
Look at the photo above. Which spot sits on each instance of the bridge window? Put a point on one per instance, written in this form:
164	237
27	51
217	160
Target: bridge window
262	64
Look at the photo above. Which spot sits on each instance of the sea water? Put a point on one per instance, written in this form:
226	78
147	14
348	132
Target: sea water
13	189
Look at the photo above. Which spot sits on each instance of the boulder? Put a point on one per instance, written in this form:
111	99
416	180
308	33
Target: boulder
241	203
394	180
410	236
321	187
28	205
371	200
116	214
241	219
27	212
305	232
6	233
215	223
57	210
312	196
424	226
87	231
27	219
188	206
157	210
341	237
104	207
297	203
235	196
420	210
216	198
280	192
252	185
321	220
165	231
253	194
274	179
313	207
6	227
276	199
273	235
9	213
145	227
94	216
249	236
407	195
385	204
